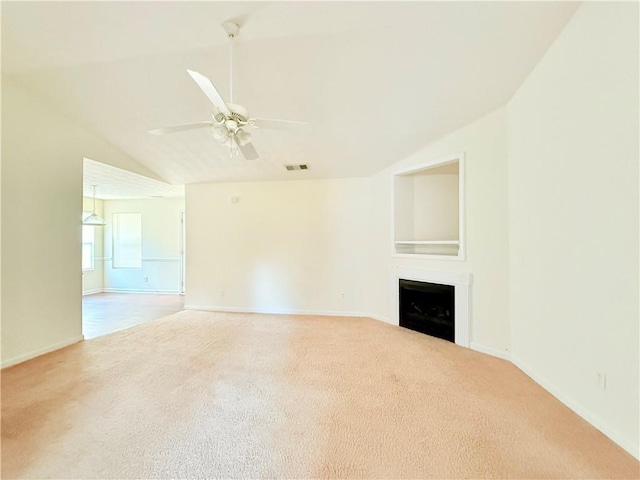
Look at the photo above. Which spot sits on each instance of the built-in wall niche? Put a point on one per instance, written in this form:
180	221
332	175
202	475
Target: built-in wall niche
429	209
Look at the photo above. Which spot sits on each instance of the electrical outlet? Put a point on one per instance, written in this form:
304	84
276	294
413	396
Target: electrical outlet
222	292
602	380
342	295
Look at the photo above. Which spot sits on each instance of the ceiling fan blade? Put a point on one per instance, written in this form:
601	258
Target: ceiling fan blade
248	150
179	128
291	125
210	91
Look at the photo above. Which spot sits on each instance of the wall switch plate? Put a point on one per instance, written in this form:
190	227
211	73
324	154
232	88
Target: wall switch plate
602	380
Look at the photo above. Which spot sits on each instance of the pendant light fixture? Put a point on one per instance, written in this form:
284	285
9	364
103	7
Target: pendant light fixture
94	219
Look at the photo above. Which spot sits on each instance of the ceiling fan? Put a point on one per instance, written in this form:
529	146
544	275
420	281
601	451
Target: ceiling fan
229	120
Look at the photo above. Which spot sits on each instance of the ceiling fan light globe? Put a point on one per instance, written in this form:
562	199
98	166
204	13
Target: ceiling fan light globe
243	137
220	133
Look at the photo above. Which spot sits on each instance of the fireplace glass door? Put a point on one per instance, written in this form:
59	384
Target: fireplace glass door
428	308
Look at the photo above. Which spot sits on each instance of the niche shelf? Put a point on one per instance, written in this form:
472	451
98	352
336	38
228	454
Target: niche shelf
428	210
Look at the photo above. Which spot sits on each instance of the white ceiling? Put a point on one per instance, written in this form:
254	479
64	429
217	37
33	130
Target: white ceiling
115	183
378	80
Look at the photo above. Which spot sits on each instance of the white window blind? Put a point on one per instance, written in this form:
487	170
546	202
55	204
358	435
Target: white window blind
127	240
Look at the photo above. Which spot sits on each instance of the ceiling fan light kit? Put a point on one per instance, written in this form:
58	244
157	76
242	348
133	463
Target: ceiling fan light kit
229	120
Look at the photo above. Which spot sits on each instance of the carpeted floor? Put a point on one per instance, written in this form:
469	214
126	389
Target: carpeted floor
204	395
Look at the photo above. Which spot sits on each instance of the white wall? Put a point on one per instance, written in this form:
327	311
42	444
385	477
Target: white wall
435	206
292	246
161	270
297	246
484	143
42	154
573	216
92	280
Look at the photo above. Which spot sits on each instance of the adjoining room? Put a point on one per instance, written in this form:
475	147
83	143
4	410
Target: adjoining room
133	249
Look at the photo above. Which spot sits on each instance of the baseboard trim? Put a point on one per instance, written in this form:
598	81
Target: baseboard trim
42	351
92	292
380	318
327	313
629	445
494	352
135	290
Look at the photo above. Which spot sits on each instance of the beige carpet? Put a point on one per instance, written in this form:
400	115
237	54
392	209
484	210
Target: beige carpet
204	395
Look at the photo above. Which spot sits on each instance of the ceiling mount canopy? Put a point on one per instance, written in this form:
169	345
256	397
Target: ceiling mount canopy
94	219
231	28
229	120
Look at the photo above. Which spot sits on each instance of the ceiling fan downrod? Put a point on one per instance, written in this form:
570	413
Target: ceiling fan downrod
231	29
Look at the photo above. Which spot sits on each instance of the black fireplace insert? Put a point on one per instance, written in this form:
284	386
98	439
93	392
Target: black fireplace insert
428	308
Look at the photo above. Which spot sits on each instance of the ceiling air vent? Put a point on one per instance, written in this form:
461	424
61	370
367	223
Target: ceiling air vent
297	167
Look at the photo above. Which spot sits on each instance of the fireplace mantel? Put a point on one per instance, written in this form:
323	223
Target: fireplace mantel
461	281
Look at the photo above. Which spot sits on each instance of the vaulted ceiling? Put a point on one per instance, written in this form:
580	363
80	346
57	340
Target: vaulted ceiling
377	80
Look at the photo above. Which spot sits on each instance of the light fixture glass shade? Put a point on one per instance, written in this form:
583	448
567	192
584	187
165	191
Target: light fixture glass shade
220	133
243	137
95	220
225	136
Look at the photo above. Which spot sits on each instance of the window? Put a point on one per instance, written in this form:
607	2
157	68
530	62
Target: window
88	242
127	240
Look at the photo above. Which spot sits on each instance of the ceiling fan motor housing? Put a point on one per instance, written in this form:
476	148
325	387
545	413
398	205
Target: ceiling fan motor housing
238	114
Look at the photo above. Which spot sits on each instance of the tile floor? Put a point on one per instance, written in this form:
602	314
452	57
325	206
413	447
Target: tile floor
104	313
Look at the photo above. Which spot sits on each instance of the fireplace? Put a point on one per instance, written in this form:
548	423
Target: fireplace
461	283
427	308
